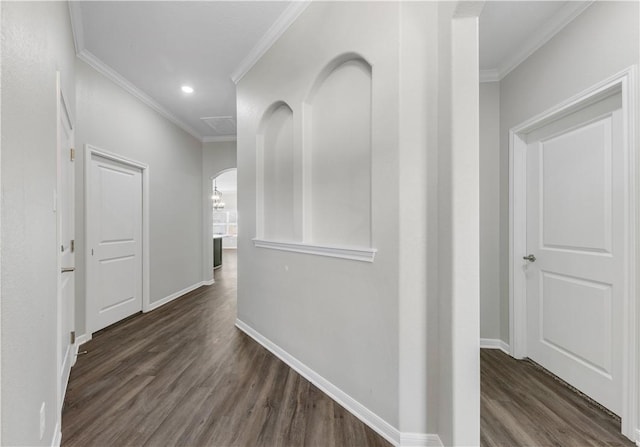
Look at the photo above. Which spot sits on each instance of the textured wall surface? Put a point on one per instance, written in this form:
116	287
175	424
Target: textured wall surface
113	120
36	42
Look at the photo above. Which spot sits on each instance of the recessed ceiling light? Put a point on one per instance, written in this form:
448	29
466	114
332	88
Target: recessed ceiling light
187	89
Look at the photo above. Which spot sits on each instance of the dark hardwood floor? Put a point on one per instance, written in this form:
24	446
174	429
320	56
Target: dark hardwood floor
184	375
523	406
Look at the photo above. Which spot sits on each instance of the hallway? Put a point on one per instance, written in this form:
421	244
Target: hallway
183	375
147	381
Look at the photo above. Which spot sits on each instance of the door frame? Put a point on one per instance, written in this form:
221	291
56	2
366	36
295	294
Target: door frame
89	152
625	83
62	112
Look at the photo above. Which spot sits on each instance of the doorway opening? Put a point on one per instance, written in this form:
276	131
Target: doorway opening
117	235
572	299
224	219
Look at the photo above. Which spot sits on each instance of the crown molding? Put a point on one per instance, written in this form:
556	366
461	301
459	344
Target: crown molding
77	28
219	139
553	26
75	13
489	75
122	82
288	16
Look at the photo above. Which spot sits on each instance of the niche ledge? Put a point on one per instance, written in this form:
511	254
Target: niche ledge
354	254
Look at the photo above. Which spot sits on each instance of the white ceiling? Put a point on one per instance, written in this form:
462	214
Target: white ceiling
152	48
158	46
510	31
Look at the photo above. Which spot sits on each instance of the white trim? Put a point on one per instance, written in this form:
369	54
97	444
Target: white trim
57	435
77	27
209	282
625	81
489	75
219	139
638	437
545	33
1	270
167	299
420	440
355	254
372	420
89	152
382	427
64	362
111	74
82	339
494	343
288	16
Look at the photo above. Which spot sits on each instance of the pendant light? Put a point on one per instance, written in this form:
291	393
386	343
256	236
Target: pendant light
218	203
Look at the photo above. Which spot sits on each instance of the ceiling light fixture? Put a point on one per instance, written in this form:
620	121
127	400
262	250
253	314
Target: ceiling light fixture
187	89
218	203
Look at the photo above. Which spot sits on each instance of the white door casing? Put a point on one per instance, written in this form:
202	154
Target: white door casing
572	205
65	206
114	241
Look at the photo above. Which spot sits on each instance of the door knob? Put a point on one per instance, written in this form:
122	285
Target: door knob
530	258
68	269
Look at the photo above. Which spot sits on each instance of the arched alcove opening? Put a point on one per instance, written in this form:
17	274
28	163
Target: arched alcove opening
338	175
275	175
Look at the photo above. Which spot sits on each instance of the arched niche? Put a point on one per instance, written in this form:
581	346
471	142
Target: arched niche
338	153
275	175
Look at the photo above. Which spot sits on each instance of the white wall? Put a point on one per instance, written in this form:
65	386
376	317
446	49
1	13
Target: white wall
490	229
418	226
458	219
372	330
36	41
113	120
339	317
600	42
216	158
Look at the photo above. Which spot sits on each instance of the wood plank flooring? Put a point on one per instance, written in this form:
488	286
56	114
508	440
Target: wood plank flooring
524	406
183	375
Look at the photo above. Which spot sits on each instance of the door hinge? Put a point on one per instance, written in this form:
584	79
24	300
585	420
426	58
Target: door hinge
72	154
73	245
73	337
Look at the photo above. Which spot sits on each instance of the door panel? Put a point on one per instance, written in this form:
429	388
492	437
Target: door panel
575	174
115	235
585	335
575	212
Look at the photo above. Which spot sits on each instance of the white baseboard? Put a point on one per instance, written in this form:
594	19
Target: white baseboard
494	343
82	339
374	421
57	436
420	440
173	296
638	437
379	425
209	282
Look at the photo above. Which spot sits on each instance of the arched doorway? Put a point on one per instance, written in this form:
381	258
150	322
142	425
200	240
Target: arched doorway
224	217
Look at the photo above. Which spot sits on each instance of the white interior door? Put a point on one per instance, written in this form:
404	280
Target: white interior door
114	234
66	256
575	229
